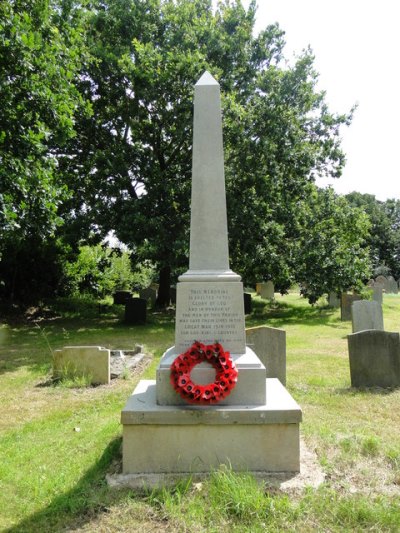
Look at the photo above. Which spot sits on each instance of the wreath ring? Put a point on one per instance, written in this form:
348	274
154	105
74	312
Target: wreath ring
220	388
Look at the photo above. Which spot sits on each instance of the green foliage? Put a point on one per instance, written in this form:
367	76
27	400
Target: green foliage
331	254
132	158
384	237
100	270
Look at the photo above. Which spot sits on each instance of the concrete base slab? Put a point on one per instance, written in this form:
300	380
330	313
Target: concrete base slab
249	390
168	439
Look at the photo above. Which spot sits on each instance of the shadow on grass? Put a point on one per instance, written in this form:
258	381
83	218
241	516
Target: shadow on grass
373	391
79	505
282	313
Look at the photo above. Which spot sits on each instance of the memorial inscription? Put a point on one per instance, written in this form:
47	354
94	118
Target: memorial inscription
212	312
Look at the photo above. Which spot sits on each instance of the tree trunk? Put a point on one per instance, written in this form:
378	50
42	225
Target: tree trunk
163	296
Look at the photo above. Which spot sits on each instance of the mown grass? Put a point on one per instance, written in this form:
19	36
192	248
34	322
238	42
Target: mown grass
58	442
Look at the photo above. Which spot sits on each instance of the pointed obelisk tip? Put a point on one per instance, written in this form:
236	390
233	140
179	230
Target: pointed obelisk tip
207	79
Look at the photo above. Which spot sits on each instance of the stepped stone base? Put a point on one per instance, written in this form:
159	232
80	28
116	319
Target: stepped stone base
176	439
249	389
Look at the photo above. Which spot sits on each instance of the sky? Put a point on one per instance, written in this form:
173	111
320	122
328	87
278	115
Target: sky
356	44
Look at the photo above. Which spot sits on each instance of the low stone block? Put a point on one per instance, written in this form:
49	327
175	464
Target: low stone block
269	344
249	389
267	291
346	301
366	315
194	439
374	358
89	361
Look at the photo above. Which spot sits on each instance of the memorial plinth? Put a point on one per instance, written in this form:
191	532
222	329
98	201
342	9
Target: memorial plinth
254	428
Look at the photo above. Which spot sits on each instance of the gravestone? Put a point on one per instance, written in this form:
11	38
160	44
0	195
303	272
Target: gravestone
382	280
366	315
76	361
121	297
374	358
162	433
247	303
135	311
377	294
270	346
371	283
346	301
258	288
267	290
392	285
149	294
333	300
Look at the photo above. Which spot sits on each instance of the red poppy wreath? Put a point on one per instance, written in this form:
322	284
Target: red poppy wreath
225	378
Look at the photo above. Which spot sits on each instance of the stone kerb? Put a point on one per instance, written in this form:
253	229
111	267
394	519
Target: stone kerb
366	315
269	344
374	358
76	361
267	290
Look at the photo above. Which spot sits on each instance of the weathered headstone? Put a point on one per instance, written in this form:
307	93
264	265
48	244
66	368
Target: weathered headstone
392	285
374	358
377	293
267	291
210	308
121	297
345	305
93	362
135	311
371	283
149	294
366	315
333	300
382	280
270	346
258	288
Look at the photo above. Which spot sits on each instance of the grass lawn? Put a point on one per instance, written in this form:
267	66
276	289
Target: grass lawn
57	442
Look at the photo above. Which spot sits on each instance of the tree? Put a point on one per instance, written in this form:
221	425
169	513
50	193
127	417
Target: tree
40	55
384	237
132	157
332	254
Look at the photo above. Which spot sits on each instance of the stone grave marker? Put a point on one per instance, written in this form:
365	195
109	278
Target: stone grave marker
267	291
392	285
366	315
374	358
121	297
377	293
333	300
135	311
382	280
270	346
149	294
346	301
77	361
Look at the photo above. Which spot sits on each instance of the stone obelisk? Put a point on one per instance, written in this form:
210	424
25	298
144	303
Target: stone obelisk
209	254
162	434
210	304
